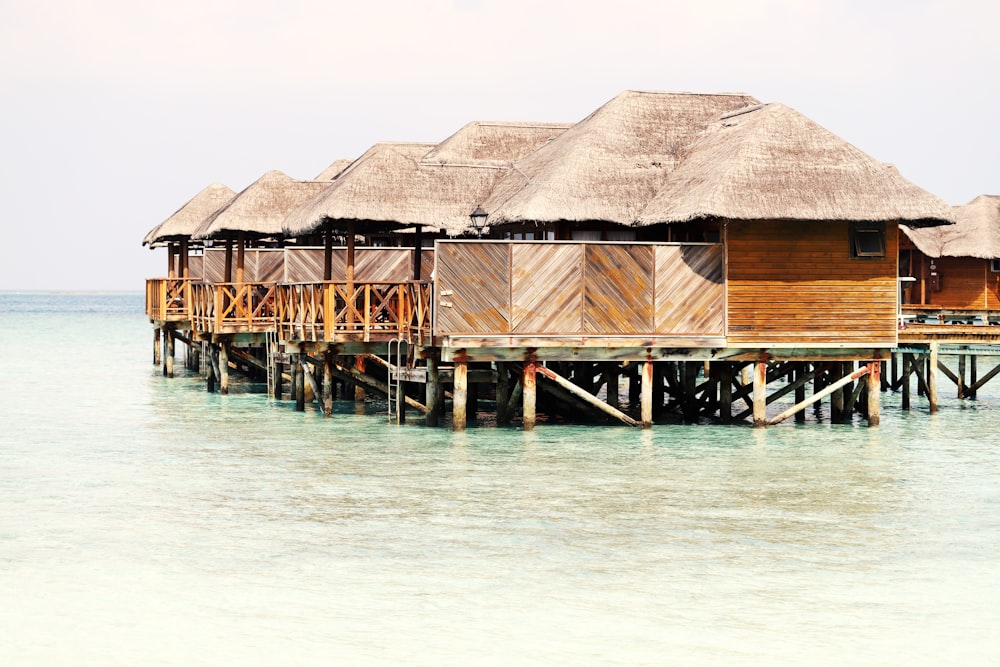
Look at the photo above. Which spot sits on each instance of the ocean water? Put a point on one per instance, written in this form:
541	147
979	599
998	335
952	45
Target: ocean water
145	521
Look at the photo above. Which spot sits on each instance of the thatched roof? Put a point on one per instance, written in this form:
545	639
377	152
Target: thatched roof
976	232
183	223
773	163
396	185
493	143
334	170
609	165
260	208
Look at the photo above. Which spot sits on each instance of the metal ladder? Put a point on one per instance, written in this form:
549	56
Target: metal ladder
394	383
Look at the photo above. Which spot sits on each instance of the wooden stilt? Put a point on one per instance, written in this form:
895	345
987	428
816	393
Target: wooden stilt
314	391
460	396
223	367
529	397
905	381
213	369
359	391
960	380
932	389
874	393
760	392
800	390
156	346
168	357
725	372
646	399
818	396
970	392
433	393
298	384
503	393
611	378
327	383
837	402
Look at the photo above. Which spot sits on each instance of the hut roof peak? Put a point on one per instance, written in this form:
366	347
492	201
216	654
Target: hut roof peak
185	220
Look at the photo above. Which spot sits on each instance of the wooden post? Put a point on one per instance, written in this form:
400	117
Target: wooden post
227	274
213	368
760	391
905	380
327	252
460	395
241	243
279	371
973	380
960	385
529	396
611	377
359	391
800	391
433	393
418	243
646	398
837	397
874	392
298	384
156	346
724	370
168	353
932	389
586	396
328	383
503	394
224	367
349	275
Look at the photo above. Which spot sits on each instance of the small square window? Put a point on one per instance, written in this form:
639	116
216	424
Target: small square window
868	240
995	265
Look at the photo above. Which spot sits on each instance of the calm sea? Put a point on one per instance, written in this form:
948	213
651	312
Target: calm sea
144	521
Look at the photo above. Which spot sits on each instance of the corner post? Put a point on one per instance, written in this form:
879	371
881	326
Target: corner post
874	392
760	390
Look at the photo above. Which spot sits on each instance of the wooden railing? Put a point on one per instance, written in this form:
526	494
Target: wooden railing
362	312
315	312
233	307
168	299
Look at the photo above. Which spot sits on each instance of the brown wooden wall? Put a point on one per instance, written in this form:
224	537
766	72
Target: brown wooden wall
796	283
532	289
305	265
965	283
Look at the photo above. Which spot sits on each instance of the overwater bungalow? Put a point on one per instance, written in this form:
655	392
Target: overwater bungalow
673	241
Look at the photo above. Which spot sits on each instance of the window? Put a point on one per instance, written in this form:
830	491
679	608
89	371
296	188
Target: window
868	240
995	265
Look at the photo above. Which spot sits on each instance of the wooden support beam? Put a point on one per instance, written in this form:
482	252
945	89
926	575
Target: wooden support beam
587	397
298	384
970	391
460	396
646	399
156	346
214	373
932	390
224	367
328	383
503	393
802	376
374	384
960	380
433	392
874	393
530	395
724	370
760	391
168	353
310	379
986	378
611	382
905	380
820	395
359	390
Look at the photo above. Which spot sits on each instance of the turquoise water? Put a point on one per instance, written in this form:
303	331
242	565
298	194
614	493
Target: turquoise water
145	521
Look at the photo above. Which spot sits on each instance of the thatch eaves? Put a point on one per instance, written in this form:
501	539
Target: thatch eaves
389	188
334	170
183	223
260	208
976	232
493	143
610	164
773	163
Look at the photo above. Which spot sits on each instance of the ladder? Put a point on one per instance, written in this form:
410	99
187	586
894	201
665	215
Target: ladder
394	383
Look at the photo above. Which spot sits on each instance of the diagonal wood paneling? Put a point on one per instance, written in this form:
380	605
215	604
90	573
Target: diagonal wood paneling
214	265
270	265
473	288
619	295
304	265
546	288
690	291
196	266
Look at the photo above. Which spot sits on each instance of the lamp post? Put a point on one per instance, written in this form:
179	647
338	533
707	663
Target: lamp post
478	218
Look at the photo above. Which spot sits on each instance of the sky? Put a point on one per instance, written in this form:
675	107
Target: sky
117	112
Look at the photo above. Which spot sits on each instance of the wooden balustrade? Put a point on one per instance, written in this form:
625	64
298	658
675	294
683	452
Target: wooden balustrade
168	299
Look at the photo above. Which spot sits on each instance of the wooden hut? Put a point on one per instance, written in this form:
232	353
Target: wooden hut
175	232
954	271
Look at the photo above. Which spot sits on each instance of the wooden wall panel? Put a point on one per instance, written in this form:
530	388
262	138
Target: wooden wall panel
690	290
215	265
473	288
196	265
269	265
547	289
796	283
305	265
619	289
963	283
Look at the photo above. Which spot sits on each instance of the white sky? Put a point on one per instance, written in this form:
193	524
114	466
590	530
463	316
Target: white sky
116	112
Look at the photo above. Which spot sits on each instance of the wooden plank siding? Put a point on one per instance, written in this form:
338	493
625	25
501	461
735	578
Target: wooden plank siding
533	290
797	284
305	265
